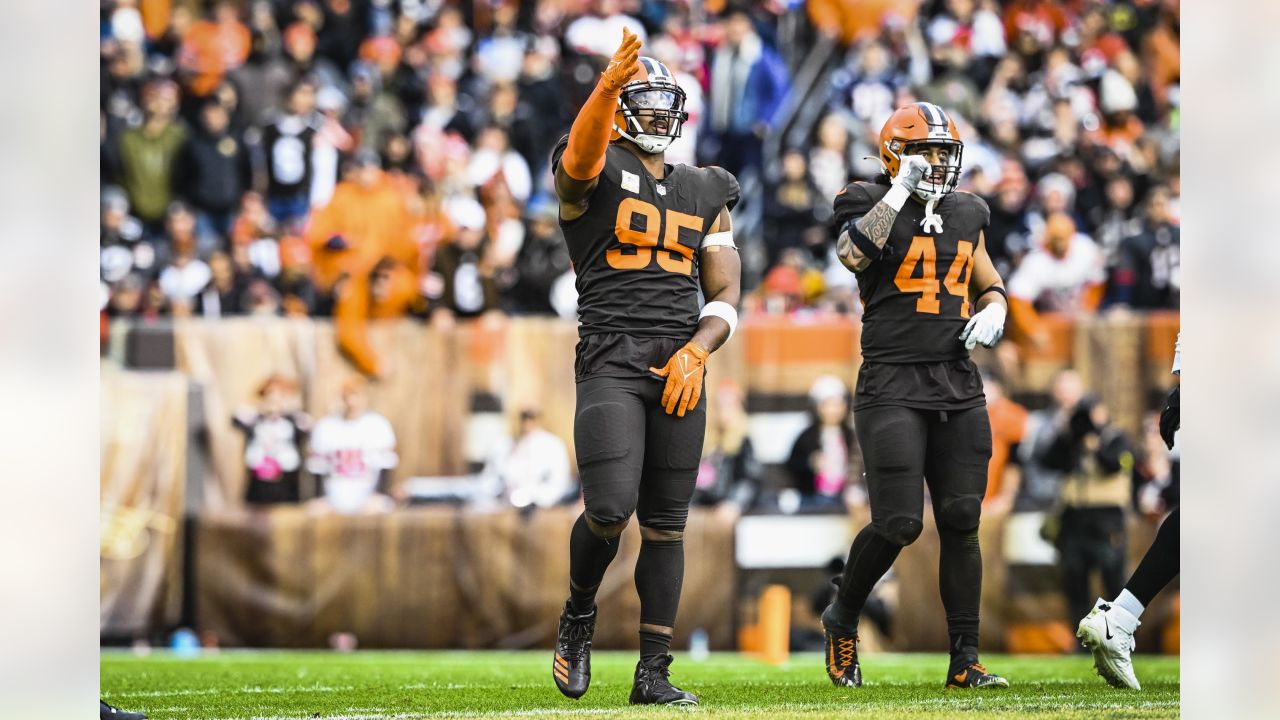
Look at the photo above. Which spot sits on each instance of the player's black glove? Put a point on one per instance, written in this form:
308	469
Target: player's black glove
1170	416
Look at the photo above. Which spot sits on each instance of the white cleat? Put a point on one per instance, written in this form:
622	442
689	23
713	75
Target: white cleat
1108	633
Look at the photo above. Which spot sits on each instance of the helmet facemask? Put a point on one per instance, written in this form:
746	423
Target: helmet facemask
927	189
657	100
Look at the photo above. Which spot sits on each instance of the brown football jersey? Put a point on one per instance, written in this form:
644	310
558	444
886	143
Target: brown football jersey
635	253
916	301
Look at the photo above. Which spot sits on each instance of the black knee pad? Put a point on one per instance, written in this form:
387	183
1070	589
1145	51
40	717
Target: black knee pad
607	524
960	513
902	530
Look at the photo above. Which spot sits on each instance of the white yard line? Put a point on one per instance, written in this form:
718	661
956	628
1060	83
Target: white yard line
238	691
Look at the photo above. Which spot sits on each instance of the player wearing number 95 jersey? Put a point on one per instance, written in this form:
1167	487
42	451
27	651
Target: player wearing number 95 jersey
649	241
930	294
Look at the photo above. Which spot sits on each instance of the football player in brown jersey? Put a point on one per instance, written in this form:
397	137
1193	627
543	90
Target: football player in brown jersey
930	294
647	239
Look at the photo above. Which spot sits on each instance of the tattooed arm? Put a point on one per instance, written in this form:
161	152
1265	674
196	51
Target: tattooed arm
862	238
875	225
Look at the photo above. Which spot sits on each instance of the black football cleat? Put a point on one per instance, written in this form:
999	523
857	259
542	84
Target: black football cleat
106	712
652	685
842	653
571	667
974	676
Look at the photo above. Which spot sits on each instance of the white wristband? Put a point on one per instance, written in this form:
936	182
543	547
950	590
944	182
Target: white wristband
721	239
722	310
896	196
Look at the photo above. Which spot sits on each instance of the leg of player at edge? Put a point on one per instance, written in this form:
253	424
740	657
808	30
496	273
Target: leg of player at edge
920	409
647	239
1108	629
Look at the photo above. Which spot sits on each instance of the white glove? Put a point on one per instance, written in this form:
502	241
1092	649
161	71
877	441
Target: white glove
911	169
986	327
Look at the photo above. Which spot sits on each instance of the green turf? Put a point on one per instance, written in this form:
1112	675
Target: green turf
375	685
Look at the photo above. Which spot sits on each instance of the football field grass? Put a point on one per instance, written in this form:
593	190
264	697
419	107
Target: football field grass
373	685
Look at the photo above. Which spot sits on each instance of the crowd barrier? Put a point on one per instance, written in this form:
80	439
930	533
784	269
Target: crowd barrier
270	579
436	577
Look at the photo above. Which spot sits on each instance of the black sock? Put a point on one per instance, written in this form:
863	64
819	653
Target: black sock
960	580
659	577
870	557
654	644
1161	563
589	557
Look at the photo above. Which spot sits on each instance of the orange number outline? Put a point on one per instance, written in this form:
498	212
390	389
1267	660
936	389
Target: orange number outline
924	252
678	258
962	264
643	241
673	256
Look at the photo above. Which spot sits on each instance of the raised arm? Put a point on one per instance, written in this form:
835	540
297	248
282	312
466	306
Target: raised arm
579	168
721	270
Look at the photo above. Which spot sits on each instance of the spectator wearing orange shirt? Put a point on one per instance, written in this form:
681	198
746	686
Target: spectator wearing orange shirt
388	291
365	256
1008	426
854	21
1033	25
366	219
213	47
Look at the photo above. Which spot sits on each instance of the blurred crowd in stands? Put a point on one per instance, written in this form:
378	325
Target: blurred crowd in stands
362	159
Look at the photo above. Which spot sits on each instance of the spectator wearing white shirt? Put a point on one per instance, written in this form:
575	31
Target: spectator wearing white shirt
534	471
492	156
1064	274
352	454
598	33
186	275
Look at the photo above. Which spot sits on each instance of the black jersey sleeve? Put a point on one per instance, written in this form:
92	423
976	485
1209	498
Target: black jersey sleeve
558	151
726	185
979	211
856	200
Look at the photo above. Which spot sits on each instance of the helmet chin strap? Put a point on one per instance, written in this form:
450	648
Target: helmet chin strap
932	221
652	144
931	195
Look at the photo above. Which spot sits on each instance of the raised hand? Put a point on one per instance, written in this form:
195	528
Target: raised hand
911	170
625	63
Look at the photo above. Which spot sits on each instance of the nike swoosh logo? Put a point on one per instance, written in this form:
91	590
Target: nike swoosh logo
1107	624
684	367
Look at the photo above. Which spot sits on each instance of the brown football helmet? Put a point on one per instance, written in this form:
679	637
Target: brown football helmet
651	92
911	128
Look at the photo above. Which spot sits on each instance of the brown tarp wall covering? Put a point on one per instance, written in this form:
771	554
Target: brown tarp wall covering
432	577
144	445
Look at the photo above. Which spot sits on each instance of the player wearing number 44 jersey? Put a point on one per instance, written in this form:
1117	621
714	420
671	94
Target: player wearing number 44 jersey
646	239
930	294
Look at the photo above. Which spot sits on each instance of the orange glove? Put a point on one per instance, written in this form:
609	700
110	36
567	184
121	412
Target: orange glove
583	159
684	373
625	62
